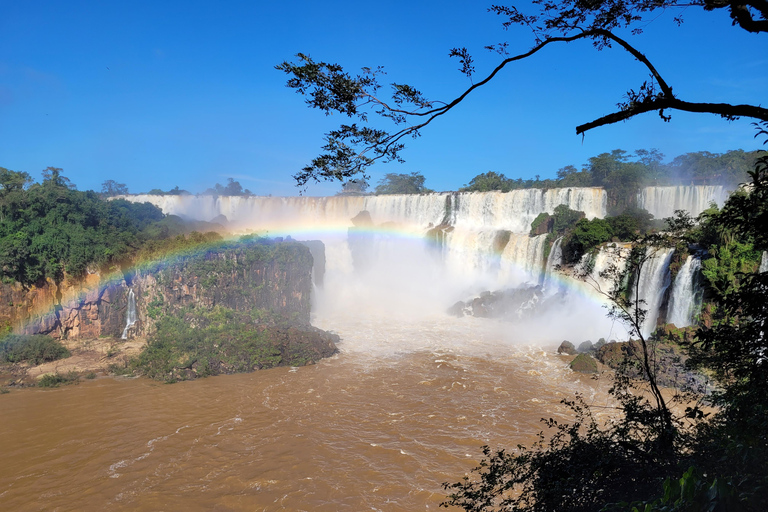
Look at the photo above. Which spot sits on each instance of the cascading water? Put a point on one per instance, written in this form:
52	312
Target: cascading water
764	262
482	241
654	280
685	299
130	313
661	202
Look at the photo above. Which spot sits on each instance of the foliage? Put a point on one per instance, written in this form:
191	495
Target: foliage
34	349
393	183
111	188
489	181
54	380
175	191
199	343
354	187
355	146
232	188
541	219
586	235
693	492
49	229
563	219
726	264
578	469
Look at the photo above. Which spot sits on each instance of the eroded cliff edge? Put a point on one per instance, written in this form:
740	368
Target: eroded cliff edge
223	308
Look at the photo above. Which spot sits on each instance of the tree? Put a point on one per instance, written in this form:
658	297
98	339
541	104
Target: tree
111	188
52	177
488	181
393	183
354	187
353	147
232	188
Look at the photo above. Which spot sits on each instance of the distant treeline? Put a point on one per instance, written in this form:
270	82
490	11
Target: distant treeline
619	172
642	168
623	174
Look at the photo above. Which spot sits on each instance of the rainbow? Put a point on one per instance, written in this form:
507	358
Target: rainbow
95	285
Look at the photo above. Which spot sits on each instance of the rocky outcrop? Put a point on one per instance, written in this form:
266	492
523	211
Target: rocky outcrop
584	363
669	362
258	275
87	308
517	302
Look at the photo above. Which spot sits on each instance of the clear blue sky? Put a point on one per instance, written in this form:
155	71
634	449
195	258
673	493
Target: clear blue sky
158	94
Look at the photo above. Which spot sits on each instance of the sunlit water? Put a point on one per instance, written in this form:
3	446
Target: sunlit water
405	406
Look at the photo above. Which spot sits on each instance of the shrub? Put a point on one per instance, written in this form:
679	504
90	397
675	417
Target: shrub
35	349
53	380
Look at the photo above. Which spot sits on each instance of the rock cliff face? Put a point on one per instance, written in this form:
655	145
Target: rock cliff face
87	308
272	277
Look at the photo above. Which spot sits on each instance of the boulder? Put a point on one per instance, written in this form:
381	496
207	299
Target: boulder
611	354
457	309
566	347
585	347
584	363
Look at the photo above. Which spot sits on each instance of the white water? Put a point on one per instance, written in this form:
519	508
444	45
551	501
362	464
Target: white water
130	313
654	280
764	262
662	202
389	268
685	300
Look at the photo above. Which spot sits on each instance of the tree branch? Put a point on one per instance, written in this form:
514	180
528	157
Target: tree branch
663	103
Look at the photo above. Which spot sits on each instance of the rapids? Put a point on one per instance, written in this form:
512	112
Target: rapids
404	407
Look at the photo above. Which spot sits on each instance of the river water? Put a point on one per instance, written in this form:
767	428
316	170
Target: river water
405	406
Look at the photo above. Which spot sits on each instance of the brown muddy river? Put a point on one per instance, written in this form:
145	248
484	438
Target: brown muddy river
404	407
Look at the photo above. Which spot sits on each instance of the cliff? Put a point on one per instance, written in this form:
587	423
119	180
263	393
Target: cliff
272	277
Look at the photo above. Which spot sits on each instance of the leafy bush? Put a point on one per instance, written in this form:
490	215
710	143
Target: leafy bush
198	343
35	349
54	380
586	235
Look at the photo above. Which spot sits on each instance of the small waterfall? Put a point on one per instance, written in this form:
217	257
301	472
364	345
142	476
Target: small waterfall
764	262
661	202
654	281
554	259
685	299
130	313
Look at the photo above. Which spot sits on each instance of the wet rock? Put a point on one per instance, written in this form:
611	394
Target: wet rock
611	354
566	347
510	303
584	363
457	309
362	219
585	347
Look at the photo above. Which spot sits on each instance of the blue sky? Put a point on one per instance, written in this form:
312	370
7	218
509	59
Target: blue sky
159	94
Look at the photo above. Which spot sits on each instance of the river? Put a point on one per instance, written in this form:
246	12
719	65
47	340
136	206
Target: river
404	407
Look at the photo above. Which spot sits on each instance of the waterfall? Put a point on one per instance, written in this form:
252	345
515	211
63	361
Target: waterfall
685	299
661	202
764	262
654	280
130	313
483	244
470	250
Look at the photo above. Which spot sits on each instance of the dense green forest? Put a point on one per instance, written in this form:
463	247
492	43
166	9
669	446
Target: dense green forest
50	229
